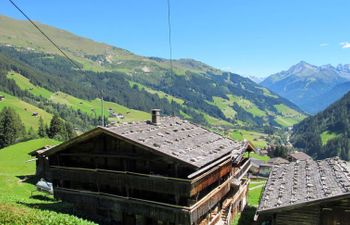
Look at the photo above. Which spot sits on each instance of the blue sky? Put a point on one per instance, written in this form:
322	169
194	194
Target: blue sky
248	37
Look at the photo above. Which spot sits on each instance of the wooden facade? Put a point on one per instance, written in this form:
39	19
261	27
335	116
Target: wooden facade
336	212
115	178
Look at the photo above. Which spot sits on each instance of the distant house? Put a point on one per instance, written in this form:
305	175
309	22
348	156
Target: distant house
307	192
162	171
35	114
117	115
120	116
277	160
2	97
295	156
263	152
260	168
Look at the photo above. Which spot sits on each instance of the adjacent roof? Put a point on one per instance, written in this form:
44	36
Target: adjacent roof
176	138
277	160
39	151
304	182
257	162
299	156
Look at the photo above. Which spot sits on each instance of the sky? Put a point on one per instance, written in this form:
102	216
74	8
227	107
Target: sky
248	37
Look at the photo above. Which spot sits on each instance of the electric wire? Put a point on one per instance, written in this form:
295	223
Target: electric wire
43	33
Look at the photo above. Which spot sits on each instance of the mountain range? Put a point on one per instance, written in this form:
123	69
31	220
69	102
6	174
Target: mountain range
311	87
193	90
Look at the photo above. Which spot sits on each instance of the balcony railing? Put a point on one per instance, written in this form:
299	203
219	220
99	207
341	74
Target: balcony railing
243	169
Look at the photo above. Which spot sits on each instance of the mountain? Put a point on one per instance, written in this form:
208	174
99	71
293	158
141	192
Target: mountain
326	134
307	85
193	90
256	79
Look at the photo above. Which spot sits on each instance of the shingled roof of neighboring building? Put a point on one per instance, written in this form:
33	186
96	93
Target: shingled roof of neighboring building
177	138
299	156
277	160
297	183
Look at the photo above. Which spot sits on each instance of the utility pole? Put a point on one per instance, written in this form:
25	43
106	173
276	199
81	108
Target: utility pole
102	111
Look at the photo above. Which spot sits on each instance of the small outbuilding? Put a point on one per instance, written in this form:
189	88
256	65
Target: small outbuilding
260	168
42	164
277	160
295	156
2	97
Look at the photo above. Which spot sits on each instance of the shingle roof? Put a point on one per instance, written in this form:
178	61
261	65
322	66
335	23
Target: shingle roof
277	160
180	139
299	156
305	181
40	150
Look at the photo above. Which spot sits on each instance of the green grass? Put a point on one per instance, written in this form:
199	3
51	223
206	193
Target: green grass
268	93
212	121
159	93
247	105
17	33
326	136
288	117
254	195
25	111
247	216
226	106
264	158
92	108
17	204
25	84
258	139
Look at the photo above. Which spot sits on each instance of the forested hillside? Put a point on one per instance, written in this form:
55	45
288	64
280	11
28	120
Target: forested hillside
229	98
326	134
193	90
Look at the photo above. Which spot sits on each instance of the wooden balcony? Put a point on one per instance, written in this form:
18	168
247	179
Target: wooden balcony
242	169
164	211
113	203
138	181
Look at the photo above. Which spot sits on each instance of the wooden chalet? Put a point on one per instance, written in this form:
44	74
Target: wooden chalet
164	171
308	193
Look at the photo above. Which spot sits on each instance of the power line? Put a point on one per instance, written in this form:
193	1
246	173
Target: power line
43	33
169	36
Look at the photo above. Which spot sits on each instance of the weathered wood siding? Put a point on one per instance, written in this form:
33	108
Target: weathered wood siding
336	212
302	216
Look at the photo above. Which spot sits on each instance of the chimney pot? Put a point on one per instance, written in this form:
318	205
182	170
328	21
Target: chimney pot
156	116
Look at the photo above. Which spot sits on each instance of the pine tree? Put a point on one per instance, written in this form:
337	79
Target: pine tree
11	127
56	127
70	133
31	134
41	131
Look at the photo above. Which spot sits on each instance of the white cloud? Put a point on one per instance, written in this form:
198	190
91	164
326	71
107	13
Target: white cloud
345	44
323	44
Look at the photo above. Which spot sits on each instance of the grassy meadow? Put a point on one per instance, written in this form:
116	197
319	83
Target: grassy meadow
25	111
92	108
19	202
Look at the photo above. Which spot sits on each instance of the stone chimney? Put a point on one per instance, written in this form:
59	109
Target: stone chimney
156	116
